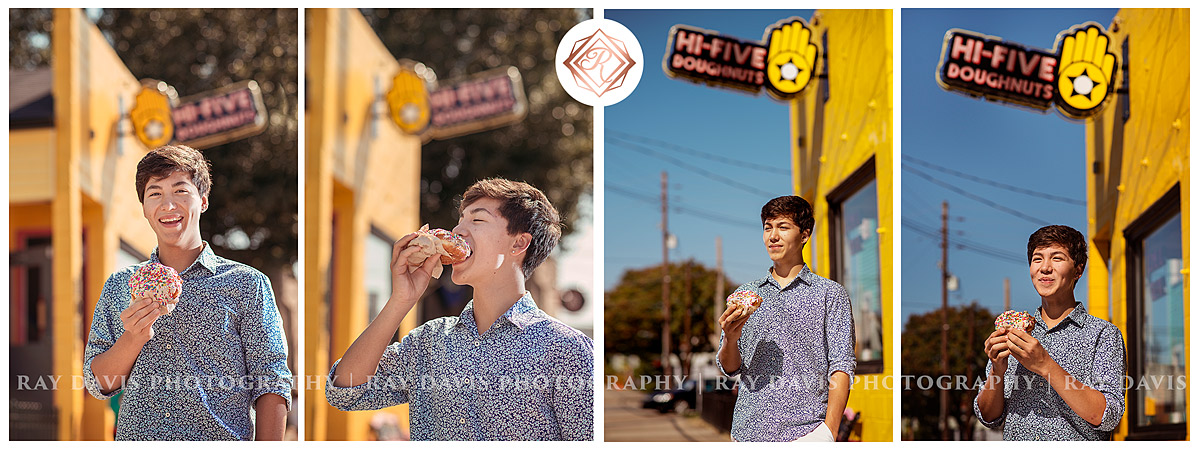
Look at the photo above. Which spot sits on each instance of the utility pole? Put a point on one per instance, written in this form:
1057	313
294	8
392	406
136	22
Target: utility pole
944	394
1007	293
666	286
685	341
719	295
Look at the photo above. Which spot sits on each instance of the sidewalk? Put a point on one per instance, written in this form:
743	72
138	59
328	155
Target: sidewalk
626	421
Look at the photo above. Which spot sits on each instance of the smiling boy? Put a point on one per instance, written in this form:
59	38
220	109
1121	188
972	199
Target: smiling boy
795	354
197	373
501	370
1065	379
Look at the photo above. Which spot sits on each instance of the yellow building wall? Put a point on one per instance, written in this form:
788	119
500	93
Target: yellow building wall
364	170
31	165
830	141
1137	161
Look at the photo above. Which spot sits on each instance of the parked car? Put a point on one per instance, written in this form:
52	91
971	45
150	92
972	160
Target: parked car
679	399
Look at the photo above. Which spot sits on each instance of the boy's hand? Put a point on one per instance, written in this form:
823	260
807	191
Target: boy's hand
138	319
732	324
1029	352
408	286
997	349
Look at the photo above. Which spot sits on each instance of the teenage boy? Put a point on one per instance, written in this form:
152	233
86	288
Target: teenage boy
1065	379
194	374
795	354
501	370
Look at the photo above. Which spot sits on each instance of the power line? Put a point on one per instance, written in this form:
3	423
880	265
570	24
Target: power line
720	178
964	244
687	150
1002	185
674	206
975	197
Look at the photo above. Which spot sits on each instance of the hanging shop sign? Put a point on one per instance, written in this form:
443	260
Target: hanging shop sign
202	120
483	101
479	102
784	63
408	99
1076	78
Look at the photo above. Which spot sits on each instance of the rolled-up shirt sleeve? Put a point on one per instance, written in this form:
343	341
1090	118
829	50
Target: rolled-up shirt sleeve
1108	375
573	400
999	421
106	328
388	387
727	373
839	330
264	343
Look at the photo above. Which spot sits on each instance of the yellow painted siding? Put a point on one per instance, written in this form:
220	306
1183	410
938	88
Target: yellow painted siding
32	152
831	140
362	169
1138	160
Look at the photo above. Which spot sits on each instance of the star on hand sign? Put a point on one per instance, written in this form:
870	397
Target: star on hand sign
791	58
1085	70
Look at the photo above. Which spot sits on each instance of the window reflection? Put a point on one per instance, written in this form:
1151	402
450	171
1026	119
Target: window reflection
1163	348
859	248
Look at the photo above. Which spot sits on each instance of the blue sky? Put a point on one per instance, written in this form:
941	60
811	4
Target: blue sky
719	121
1040	152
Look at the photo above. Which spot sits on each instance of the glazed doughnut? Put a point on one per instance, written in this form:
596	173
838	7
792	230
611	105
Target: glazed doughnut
158	282
745	300
452	249
1014	319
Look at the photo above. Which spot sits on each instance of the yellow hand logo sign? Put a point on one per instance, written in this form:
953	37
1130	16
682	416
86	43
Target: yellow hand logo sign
791	59
1085	71
408	102
151	115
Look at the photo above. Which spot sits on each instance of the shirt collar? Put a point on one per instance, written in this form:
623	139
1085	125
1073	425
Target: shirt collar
1077	316
522	314
207	259
805	276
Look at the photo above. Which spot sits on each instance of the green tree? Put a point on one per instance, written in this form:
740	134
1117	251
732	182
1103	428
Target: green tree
550	149
29	37
252	217
633	310
921	353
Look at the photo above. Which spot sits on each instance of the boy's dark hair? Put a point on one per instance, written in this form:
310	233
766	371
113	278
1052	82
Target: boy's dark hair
791	207
1067	237
527	210
161	162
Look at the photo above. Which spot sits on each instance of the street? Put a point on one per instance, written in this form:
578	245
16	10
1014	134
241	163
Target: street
626	421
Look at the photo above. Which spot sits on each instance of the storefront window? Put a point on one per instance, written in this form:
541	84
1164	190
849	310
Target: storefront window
378	272
1162	346
1158	349
856	264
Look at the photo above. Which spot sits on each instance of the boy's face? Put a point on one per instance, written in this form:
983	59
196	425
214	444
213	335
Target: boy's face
1052	271
172	205
492	248
784	239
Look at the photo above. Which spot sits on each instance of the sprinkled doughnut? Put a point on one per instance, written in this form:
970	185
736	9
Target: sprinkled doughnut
747	301
158	282
454	245
1014	319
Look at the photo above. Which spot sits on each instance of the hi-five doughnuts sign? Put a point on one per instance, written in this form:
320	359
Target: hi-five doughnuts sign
1077	78
204	120
784	63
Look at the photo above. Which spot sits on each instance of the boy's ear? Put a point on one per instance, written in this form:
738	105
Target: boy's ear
521	244
204	203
